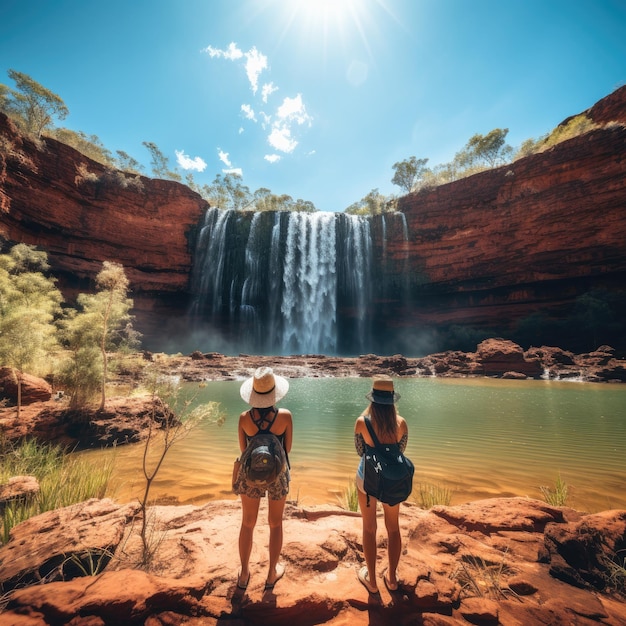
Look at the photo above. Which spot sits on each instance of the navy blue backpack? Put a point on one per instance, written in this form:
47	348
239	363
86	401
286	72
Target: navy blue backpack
388	473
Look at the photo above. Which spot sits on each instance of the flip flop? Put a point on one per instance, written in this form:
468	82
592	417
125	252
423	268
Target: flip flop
363	577
280	572
243	586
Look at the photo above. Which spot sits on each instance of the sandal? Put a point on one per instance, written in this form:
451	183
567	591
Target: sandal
363	577
280	572
243	586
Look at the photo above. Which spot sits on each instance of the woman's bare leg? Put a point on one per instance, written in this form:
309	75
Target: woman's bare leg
275	519
394	548
368	515
249	515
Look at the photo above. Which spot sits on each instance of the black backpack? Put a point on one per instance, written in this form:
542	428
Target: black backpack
388	473
264	457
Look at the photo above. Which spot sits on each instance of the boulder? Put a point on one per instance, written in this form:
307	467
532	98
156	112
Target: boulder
34	389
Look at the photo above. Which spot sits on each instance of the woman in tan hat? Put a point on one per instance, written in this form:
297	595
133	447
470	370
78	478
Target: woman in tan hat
262	392
389	428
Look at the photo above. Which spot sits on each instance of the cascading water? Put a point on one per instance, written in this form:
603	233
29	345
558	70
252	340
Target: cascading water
284	282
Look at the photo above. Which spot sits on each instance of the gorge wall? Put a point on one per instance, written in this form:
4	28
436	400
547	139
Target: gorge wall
530	250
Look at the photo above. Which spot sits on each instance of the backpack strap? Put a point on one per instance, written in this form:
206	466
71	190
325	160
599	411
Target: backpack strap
370	429
263	419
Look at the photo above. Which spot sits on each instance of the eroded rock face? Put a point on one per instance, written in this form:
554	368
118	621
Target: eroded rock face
83	219
483	252
476	563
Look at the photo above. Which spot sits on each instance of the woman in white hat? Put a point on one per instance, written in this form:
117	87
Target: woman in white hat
389	428
262	391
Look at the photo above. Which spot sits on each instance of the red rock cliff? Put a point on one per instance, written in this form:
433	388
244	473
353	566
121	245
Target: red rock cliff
82	221
484	252
526	237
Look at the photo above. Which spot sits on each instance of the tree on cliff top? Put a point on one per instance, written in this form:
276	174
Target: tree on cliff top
374	203
409	172
31	105
29	303
485	150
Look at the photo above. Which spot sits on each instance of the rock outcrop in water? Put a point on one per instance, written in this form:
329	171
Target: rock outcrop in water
507	251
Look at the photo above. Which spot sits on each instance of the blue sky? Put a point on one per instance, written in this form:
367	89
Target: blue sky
314	98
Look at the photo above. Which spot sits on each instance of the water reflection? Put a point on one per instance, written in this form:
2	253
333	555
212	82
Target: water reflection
478	438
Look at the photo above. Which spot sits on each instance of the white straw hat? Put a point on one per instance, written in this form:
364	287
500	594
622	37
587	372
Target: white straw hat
264	389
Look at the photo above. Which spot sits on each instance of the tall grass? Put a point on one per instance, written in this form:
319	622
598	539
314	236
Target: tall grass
556	496
349	498
430	495
63	480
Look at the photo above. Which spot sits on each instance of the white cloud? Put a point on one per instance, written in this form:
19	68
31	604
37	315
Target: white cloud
223	156
293	110
266	119
267	90
255	62
248	112
234	170
290	113
187	163
280	139
232	53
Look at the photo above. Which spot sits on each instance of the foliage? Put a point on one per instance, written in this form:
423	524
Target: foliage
484	579
349	498
616	572
487	150
82	372
265	200
409	172
160	163
30	105
227	192
374	203
111	307
181	418
63	478
431	495
127	163
556	496
29	303
89	145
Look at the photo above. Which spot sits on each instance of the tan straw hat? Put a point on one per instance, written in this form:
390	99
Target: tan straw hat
382	390
264	389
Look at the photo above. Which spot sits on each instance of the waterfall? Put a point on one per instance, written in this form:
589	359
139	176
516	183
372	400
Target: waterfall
283	282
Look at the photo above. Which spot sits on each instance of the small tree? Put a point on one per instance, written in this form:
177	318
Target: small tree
374	203
107	312
178	417
81	373
29	302
485	150
228	192
160	163
409	172
32	106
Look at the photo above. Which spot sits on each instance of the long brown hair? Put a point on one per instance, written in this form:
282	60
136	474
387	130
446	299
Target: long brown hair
384	418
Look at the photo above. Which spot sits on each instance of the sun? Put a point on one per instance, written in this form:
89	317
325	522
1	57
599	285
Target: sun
326	22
